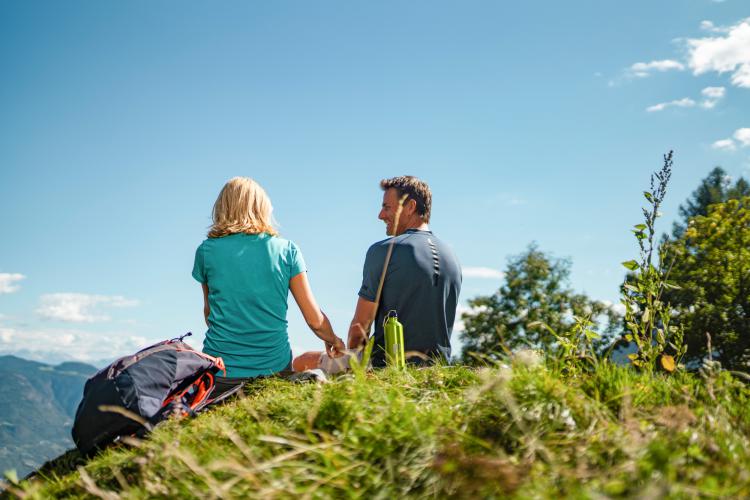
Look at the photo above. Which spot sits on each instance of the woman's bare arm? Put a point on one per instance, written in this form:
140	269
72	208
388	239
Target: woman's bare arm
315	318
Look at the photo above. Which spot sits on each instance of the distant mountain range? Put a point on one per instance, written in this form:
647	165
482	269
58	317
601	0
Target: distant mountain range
37	406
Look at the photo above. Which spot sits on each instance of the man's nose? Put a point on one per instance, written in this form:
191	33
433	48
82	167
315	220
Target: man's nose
381	215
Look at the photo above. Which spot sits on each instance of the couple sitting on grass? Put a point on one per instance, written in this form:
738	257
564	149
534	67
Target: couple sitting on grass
246	271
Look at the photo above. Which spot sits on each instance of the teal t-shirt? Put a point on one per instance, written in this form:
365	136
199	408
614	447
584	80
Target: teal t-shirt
248	286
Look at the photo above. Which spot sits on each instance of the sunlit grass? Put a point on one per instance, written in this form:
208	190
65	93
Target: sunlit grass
520	429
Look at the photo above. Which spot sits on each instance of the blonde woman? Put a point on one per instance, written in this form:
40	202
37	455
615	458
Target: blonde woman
247	271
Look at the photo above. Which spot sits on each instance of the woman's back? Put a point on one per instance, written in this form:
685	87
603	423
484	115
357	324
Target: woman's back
248	284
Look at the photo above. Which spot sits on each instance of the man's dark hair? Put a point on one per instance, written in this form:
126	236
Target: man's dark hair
415	189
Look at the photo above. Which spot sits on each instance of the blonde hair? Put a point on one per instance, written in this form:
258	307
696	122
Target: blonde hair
242	207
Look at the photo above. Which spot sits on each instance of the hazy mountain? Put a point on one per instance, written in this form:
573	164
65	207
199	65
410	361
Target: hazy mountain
37	407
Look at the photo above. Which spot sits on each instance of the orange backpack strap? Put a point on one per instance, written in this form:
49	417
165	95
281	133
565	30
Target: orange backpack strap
203	388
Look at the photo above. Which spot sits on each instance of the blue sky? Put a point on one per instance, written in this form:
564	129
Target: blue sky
531	121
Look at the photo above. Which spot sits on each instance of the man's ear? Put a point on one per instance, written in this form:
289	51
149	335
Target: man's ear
410	207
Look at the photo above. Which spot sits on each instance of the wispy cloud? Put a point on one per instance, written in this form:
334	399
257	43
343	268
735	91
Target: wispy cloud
8	282
726	49
740	139
645	69
724	145
710	97
680	103
79	307
712	28
482	272
729	53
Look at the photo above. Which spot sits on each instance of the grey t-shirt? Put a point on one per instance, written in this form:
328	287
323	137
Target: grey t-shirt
422	285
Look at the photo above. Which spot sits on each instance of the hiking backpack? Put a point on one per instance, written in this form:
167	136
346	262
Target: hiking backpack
136	392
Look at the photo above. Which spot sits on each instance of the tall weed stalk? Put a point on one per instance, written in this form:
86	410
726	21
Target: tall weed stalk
647	317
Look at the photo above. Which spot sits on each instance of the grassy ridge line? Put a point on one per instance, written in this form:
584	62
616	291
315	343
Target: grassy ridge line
529	429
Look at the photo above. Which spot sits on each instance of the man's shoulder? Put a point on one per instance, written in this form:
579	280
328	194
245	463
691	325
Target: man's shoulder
379	246
376	252
407	239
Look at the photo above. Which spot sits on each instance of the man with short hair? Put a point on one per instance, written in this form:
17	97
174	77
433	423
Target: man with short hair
422	280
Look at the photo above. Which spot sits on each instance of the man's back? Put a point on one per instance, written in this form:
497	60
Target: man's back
422	285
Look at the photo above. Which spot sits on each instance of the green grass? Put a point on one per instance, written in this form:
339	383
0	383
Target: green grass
524	430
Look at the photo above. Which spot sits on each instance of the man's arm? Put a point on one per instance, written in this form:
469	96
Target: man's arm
206	309
359	329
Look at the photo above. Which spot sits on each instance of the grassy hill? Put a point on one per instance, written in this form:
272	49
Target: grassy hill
528	428
39	402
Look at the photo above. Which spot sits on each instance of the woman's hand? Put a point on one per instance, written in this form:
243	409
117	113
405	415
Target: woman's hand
336	348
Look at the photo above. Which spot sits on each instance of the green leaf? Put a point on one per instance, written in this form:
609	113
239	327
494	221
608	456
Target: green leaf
648	196
591	335
630	264
640	227
629	337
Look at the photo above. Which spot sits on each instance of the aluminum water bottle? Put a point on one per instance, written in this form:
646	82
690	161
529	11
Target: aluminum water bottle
394	340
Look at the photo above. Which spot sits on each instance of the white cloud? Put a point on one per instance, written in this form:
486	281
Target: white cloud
711	96
723	54
712	28
724	145
707	26
471	311
644	69
57	345
742	135
680	103
6	336
740	138
8	280
77	307
459	325
713	92
482	272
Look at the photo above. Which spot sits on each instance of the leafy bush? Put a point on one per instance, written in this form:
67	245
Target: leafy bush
712	268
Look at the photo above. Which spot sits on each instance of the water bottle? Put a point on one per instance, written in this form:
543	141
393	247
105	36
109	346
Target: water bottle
394	340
